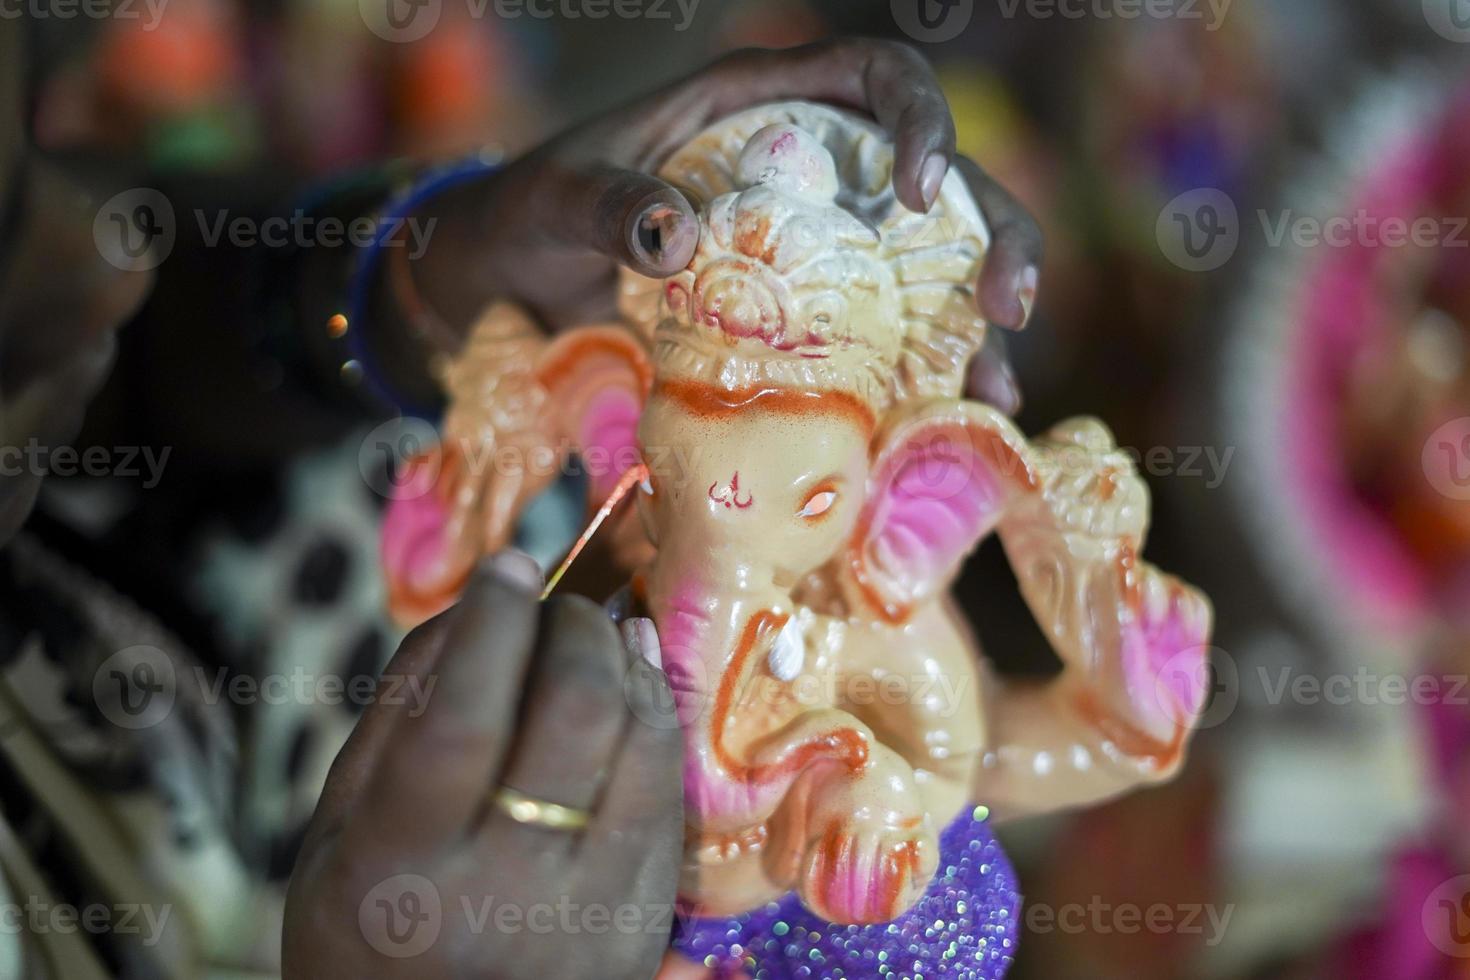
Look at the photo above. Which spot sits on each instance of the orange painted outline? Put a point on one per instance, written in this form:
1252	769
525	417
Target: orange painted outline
826	486
707	401
563	357
1134	742
1004	460
843	744
899	864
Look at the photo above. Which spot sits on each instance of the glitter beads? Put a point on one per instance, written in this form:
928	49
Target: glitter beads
963	928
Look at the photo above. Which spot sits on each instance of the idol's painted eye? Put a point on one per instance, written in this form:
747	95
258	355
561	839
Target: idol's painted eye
818	504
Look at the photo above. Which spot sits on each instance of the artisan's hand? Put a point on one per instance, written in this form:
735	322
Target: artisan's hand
409	870
548	229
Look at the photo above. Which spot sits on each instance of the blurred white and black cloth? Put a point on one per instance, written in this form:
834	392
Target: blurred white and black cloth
168	713
178	669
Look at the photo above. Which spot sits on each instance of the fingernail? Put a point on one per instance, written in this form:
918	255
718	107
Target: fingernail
619	605
516	568
657	234
931	178
641	638
1026	292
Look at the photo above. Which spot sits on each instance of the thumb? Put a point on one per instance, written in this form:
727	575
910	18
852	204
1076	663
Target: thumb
634	219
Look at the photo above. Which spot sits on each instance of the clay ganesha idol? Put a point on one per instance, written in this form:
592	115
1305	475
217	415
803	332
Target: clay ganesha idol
814	479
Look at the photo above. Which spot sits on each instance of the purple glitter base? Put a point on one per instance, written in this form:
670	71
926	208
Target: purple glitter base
964	927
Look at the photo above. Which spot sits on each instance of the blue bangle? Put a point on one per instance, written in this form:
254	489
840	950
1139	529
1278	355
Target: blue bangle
390	221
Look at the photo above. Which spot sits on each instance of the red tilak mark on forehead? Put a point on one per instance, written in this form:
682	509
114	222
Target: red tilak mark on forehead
731	494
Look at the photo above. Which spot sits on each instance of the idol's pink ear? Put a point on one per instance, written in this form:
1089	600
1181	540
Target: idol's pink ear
940	481
596	381
427	552
462	500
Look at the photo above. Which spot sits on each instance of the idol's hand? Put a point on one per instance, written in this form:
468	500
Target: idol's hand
414	865
549	229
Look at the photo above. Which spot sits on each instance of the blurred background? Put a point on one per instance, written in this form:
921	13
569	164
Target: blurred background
1258	273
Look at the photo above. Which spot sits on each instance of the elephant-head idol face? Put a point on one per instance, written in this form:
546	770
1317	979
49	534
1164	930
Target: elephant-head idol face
751	491
813	480
779	356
